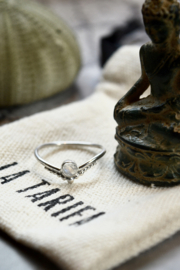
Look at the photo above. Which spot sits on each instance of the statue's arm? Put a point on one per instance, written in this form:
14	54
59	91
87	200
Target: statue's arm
137	90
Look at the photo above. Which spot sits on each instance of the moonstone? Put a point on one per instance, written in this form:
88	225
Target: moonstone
69	169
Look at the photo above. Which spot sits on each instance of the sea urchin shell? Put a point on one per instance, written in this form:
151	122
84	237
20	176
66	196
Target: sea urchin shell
39	55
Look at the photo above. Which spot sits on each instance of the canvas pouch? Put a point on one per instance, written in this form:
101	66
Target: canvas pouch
102	219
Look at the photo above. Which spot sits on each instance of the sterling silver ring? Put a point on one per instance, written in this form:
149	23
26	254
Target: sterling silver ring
69	169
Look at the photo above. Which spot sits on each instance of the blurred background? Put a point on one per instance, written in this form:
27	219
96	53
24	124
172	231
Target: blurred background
94	20
100	27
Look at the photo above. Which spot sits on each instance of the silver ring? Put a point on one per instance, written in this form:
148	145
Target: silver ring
69	169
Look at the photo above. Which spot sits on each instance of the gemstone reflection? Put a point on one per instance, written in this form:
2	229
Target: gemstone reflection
69	168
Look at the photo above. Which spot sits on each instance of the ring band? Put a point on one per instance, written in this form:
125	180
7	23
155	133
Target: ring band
69	170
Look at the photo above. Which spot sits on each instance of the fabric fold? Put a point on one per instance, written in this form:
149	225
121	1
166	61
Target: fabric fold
102	219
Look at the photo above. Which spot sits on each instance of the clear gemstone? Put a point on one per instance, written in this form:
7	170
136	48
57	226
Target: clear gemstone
69	168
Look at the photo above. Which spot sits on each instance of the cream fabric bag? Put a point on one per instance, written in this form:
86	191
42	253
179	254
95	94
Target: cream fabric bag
100	220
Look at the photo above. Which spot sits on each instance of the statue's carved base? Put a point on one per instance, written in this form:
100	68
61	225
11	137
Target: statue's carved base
146	165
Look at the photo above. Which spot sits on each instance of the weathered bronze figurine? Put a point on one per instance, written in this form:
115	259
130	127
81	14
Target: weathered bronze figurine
148	129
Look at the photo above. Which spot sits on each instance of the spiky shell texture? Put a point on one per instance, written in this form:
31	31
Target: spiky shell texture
39	55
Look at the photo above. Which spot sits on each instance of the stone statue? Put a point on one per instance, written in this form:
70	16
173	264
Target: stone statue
148	129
